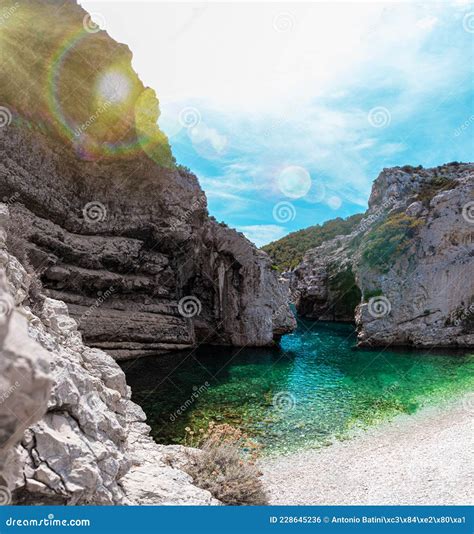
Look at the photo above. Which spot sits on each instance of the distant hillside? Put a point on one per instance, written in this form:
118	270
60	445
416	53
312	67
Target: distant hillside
288	251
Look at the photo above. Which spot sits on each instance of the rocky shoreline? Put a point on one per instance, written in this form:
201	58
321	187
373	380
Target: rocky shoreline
107	252
404	275
373	468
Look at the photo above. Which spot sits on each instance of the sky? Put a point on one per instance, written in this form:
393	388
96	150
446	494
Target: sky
288	112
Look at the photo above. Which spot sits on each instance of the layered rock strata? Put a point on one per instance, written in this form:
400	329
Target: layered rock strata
115	228
69	431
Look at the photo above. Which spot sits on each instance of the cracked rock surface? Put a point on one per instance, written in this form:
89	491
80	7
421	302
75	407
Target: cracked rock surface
70	433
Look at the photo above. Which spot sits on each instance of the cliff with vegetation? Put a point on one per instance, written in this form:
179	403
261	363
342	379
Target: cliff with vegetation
106	251
404	274
287	252
107	219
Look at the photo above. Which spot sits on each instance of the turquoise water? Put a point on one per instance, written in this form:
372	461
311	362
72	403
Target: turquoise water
315	388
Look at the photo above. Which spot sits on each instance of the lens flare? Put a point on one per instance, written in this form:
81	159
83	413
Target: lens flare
294	182
114	87
111	115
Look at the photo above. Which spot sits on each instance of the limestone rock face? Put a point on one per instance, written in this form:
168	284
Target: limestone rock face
115	227
406	273
69	432
24	382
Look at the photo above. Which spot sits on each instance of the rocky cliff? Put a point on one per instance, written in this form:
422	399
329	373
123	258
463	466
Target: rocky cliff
114	227
69	432
405	274
105	243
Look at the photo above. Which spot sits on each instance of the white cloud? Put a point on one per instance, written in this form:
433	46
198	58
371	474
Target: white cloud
427	23
271	99
262	234
231	55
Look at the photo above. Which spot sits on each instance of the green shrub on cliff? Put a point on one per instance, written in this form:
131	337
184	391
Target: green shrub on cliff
288	251
389	239
433	187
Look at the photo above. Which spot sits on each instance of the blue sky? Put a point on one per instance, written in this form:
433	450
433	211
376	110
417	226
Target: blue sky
287	113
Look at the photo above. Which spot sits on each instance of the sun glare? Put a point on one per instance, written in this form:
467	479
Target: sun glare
114	87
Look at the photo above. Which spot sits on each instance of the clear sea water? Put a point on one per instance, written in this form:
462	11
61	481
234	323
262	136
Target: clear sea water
315	388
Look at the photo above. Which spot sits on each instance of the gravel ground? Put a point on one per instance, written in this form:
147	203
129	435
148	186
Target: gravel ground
426	458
